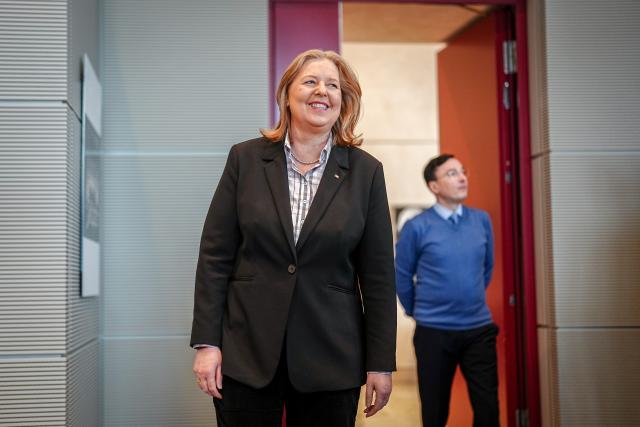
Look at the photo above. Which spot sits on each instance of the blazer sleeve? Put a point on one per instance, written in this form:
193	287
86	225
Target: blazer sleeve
375	269
218	247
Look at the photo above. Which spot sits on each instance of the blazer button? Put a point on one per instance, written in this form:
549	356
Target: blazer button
291	269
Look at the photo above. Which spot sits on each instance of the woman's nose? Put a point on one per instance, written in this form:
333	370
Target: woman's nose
321	89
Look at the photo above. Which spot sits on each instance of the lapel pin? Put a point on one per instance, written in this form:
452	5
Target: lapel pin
336	176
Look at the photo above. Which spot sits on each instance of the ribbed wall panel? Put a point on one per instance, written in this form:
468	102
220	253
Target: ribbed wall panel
596	239
33	50
33	143
584	78
149	383
32	392
42	318
543	221
83	405
548	368
155	208
599	379
593	63
191	76
538	102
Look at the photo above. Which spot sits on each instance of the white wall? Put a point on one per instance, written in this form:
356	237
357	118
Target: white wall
400	127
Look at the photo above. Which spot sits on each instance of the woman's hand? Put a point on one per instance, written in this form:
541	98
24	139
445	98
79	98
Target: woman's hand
207	365
380	385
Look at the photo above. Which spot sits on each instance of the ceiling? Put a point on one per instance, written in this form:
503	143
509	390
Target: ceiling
406	23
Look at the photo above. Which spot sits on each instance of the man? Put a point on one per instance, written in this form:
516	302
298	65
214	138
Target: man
449	250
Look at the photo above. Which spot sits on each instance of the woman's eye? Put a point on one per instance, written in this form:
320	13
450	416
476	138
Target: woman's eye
309	82
333	85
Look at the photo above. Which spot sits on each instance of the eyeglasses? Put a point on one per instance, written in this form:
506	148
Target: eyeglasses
455	173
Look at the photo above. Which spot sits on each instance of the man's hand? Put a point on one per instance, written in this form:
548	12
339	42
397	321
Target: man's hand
380	385
207	365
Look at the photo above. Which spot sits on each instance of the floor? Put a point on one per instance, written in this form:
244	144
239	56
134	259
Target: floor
403	409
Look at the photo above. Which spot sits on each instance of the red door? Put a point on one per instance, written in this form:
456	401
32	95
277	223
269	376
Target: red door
470	129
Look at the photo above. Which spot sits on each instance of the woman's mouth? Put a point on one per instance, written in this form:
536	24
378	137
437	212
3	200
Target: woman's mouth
319	105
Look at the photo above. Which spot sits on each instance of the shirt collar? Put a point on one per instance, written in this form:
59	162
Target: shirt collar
324	154
445	213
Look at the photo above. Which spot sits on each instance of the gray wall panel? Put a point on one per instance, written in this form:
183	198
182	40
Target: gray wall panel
155	211
33	142
538	103
596	239
590	385
545	292
33	50
586	157
593	58
42	318
191	76
599	385
182	83
32	391
548	365
83	404
149	382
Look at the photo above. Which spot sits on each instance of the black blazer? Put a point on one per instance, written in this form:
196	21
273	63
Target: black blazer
332	294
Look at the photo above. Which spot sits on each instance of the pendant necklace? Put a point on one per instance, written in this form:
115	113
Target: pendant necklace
301	162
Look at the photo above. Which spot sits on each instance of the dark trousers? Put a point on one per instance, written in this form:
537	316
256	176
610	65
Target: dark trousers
244	406
438	353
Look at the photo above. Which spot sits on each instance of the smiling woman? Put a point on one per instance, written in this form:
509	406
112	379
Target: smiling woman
302	216
314	97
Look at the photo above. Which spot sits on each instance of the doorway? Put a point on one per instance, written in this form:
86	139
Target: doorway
474	115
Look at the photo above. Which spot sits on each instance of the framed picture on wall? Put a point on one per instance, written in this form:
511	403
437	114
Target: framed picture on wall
404	213
90	180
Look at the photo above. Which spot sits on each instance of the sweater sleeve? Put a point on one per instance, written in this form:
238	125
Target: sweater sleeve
406	263
488	259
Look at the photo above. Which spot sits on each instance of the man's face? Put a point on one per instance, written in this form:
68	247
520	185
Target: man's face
451	184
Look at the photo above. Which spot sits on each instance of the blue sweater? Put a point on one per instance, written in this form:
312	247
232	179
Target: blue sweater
452	266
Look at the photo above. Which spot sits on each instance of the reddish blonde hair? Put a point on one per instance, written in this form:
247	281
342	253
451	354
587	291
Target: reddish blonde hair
343	130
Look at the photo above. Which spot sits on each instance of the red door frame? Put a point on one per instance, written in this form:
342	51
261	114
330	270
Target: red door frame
521	194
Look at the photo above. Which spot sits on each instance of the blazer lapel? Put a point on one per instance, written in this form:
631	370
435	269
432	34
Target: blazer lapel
275	168
334	174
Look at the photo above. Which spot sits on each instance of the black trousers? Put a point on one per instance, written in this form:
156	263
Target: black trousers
244	406
438	353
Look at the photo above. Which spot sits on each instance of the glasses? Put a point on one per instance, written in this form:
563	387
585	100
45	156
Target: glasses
455	173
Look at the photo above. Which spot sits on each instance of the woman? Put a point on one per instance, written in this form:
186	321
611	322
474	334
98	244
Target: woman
295	279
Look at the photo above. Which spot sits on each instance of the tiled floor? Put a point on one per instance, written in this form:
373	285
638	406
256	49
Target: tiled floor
403	410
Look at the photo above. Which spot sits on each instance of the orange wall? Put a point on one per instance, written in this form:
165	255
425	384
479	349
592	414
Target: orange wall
468	109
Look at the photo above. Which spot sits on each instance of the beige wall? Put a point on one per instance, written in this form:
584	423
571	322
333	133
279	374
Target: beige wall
400	127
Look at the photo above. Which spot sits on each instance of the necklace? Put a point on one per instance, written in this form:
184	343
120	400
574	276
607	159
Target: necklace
303	163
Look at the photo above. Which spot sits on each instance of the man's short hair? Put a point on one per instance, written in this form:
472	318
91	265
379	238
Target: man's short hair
433	165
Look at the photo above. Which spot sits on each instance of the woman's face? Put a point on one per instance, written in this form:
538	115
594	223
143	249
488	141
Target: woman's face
315	96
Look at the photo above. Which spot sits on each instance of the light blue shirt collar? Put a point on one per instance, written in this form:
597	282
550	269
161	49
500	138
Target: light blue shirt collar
445	213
